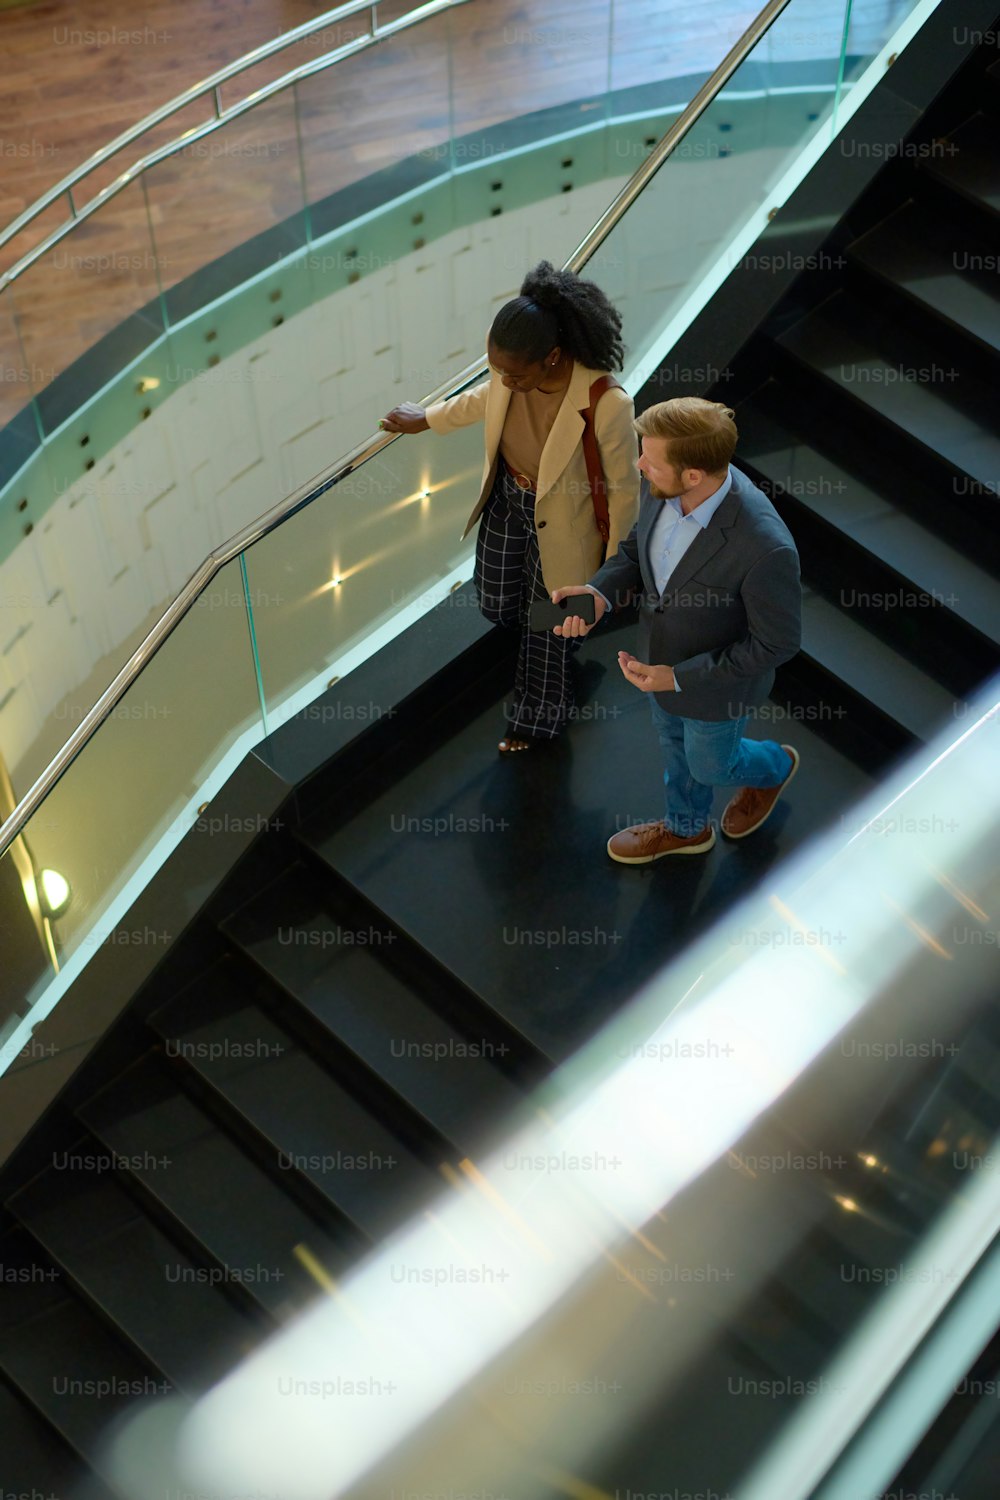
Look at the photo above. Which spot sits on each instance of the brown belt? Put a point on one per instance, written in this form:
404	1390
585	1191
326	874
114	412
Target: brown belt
521	480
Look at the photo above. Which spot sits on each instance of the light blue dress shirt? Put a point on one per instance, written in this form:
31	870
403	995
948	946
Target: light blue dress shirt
673	532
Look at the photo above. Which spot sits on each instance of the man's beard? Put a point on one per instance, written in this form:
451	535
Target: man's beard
659	494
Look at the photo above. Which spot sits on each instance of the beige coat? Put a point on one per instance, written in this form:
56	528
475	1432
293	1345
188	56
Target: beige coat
569	542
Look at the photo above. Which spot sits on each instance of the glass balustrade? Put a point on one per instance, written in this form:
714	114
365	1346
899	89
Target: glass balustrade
376	123
444	98
238	315
18	433
360	559
382	541
132	792
733	170
88	304
227	206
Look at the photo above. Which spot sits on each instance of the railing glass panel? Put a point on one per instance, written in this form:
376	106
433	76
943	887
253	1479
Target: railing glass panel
711	198
335	32
140	779
16	389
88	301
227	206
369	114
869	27
356	561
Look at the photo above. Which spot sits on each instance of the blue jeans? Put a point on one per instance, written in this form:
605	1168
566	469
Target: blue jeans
699	755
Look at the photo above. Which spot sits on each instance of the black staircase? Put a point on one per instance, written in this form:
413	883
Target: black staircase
867	408
379	982
275	1117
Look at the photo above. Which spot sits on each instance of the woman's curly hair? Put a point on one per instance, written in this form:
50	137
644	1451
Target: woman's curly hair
557	308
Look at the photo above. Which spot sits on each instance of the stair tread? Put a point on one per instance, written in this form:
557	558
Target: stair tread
36	1461
869	518
973	168
40	1285
462	850
943	271
76	1373
57	1356
244	1219
338	973
313	1124
149	1290
953	415
872	668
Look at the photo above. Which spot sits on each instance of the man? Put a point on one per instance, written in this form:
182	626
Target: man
717	575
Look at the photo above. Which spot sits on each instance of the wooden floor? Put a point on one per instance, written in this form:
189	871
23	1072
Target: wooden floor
78	74
67	89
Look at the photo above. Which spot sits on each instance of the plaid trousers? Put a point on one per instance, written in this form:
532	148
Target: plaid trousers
508	577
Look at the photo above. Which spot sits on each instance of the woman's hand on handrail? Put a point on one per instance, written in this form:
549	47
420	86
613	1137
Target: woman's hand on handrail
408	417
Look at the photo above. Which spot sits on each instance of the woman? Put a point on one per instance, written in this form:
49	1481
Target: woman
538	529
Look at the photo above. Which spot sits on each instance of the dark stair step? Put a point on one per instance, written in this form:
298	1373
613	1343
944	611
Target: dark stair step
222	1199
343	977
948	411
309	1123
128	1269
889	683
867	519
972	167
63	1359
774	388
945	272
455	845
36	1463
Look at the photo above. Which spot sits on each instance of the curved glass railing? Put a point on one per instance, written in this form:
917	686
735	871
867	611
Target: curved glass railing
350	558
268	264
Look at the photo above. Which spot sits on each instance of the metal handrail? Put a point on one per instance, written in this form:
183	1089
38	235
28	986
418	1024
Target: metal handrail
213	83
324	481
222	117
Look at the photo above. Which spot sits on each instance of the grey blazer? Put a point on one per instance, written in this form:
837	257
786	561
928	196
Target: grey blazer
732	608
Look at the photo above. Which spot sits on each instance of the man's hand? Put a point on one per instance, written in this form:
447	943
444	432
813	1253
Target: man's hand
575	626
646	679
408	417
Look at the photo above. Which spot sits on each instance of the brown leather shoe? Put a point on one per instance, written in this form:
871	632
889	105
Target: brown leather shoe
753	805
644	842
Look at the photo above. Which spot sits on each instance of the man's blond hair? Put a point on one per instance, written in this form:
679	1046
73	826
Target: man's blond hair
701	434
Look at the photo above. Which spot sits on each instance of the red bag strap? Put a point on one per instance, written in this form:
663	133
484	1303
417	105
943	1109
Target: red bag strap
592	455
